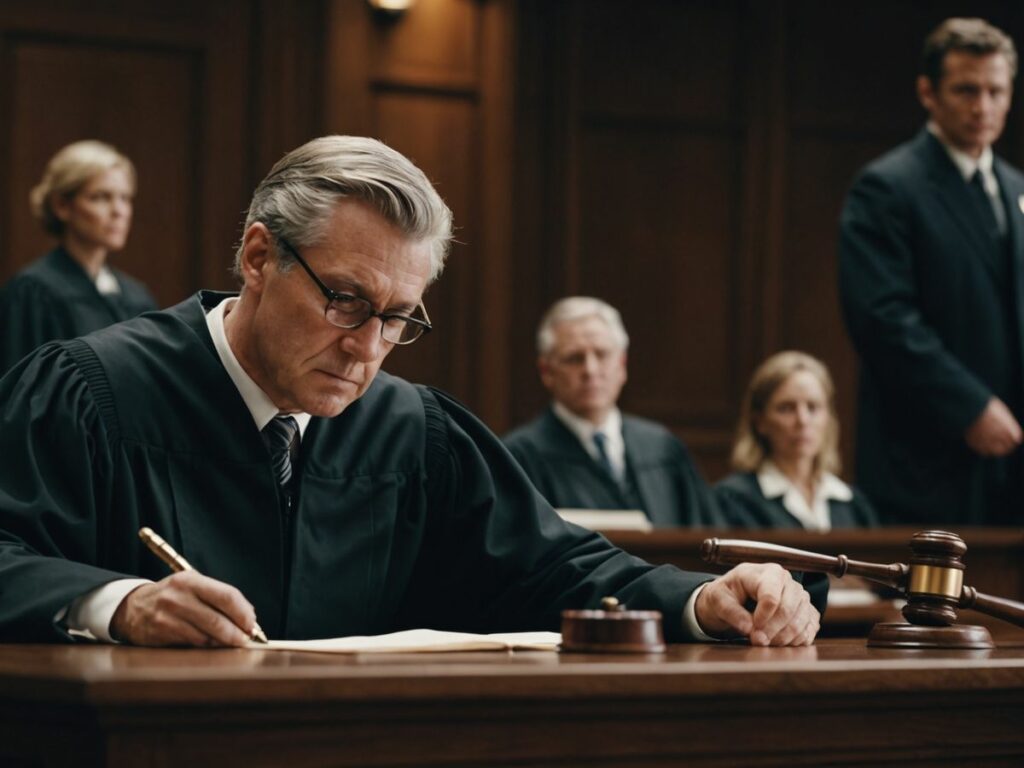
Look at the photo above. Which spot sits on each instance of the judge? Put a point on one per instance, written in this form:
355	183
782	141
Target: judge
84	200
257	434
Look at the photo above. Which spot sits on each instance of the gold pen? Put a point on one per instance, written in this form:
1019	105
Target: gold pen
177	563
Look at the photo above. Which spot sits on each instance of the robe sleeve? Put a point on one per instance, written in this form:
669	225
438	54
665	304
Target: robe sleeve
54	494
501	558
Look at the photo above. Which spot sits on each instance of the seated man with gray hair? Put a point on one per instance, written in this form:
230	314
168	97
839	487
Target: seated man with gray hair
582	452
256	432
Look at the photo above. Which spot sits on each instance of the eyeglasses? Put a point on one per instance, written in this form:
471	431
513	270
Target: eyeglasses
344	310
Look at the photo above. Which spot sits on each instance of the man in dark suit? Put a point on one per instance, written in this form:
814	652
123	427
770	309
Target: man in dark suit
931	259
582	452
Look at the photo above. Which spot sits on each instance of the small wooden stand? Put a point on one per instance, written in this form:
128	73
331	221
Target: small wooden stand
612	630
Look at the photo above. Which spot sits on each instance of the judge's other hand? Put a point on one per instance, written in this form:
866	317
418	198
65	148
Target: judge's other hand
783	614
185	608
995	432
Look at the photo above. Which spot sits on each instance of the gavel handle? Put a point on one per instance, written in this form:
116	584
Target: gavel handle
1000	607
735	551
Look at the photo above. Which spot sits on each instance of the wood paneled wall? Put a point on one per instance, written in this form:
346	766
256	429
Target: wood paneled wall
686	160
690	160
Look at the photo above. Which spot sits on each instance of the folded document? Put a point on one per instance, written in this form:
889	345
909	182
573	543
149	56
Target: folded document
422	641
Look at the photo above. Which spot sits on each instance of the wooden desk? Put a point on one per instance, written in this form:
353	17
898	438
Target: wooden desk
703	705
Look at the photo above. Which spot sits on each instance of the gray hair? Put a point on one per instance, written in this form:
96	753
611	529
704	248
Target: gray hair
578	308
67	172
298	197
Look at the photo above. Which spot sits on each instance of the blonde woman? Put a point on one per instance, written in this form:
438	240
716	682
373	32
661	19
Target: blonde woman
787	453
84	200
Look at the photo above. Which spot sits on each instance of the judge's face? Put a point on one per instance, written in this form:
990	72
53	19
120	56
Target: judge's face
99	214
795	418
971	100
283	339
585	369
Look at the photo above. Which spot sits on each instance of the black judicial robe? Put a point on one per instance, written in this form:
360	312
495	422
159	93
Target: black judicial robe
667	485
410	513
54	298
744	505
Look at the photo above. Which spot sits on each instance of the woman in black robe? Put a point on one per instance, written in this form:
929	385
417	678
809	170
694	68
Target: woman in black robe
787	453
84	200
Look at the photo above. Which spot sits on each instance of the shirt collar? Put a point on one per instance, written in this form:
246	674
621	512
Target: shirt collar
815	516
106	282
584	429
966	164
775	484
256	400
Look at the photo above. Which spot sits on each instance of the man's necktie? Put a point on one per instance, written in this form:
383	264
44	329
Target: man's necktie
600	443
281	436
994	222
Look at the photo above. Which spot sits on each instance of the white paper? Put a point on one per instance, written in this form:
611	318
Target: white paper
421	641
607	519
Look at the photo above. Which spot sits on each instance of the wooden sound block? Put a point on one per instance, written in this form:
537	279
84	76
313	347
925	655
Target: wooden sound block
903	635
612	630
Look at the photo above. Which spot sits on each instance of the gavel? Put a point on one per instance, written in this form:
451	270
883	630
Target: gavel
932	582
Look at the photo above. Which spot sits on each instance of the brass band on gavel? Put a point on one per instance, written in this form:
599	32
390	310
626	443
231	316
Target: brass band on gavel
934	580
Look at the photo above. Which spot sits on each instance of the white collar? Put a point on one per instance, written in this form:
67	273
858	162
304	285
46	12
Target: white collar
583	429
966	164
816	516
106	282
256	400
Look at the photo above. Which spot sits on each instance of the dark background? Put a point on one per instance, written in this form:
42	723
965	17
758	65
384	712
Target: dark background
684	160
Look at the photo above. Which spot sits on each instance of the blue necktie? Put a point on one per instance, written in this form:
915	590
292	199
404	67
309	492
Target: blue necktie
281	438
600	442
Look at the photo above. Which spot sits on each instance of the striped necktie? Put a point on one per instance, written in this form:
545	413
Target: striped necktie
281	436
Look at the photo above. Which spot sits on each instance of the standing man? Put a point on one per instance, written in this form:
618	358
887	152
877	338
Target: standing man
582	452
258	435
932	286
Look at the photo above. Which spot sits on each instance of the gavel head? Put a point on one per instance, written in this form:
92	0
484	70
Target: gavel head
936	578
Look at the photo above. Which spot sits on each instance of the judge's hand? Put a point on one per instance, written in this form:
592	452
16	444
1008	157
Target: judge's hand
185	608
995	432
783	615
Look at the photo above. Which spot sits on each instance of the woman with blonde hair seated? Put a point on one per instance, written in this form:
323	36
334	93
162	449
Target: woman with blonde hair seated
84	200
787	453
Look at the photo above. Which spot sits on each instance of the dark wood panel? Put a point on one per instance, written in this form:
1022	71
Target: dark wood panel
657	223
435	42
641	60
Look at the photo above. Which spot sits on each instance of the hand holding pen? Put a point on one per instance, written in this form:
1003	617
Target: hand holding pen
185	608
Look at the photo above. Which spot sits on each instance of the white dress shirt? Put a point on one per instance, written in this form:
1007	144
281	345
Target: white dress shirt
585	430
814	516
